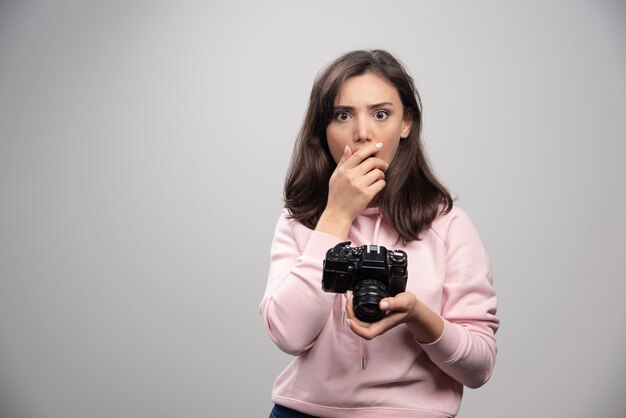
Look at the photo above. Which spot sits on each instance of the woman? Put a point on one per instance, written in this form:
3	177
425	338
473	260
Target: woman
359	173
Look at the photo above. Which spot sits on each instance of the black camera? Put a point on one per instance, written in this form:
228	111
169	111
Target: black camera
372	272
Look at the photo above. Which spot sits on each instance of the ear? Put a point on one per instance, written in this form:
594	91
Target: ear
407	123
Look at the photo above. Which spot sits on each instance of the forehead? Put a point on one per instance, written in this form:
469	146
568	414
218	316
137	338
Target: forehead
367	88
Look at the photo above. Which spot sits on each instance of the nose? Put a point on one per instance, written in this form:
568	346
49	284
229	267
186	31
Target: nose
362	131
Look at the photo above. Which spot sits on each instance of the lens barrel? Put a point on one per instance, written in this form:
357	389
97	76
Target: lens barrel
366	299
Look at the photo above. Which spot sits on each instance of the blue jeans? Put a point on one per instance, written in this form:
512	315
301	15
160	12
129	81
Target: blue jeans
283	412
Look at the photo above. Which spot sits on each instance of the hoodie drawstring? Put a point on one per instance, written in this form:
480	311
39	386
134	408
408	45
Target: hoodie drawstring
377	228
362	342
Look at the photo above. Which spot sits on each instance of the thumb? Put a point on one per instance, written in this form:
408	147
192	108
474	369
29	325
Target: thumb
386	304
393	303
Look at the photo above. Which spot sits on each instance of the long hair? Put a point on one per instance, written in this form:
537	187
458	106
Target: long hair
412	197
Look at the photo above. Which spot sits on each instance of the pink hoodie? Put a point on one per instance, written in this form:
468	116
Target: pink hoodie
338	374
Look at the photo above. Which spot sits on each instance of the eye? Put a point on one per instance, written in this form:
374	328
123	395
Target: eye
342	116
381	114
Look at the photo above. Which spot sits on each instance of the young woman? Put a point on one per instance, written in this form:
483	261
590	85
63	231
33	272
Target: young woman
359	173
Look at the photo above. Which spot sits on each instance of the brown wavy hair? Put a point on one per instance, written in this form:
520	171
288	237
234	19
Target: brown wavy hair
412	197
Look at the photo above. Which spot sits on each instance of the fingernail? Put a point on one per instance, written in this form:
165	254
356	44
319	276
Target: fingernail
384	305
349	322
345	150
379	145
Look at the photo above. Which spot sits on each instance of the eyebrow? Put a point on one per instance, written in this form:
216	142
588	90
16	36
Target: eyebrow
373	106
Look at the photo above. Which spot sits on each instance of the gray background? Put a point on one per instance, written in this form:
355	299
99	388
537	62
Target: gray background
143	146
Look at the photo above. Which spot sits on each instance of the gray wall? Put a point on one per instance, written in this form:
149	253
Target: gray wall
143	147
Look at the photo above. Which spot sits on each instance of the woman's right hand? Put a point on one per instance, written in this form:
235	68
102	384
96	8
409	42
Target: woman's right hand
355	183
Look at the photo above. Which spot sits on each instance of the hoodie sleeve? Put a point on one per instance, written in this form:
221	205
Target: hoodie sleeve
467	348
294	307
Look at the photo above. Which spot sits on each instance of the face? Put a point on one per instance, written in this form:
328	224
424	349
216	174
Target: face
367	109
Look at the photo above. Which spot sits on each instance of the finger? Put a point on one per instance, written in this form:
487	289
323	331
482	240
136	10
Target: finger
369	164
369	179
399	303
386	305
362	153
364	329
348	307
360	330
369	331
347	153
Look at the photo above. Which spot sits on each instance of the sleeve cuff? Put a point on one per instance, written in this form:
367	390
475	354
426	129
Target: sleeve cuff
445	348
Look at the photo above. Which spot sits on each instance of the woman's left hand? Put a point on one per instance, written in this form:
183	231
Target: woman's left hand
424	324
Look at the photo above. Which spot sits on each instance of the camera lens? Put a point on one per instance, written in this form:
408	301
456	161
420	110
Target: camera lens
367	295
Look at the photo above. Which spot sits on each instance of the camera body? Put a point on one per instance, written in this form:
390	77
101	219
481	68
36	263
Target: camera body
371	272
